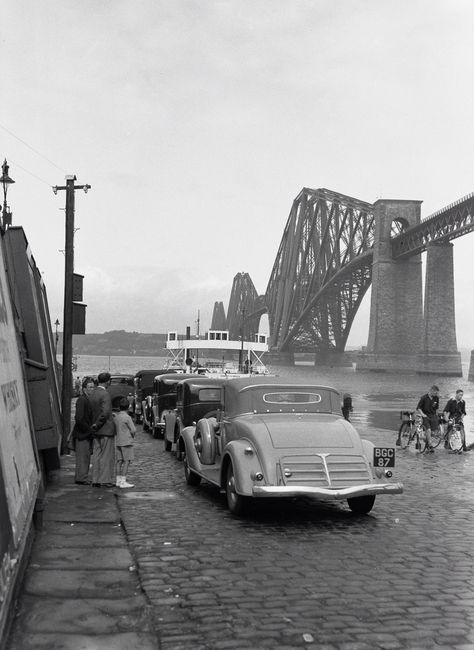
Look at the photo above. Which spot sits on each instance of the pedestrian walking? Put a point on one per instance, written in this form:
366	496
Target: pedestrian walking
124	440
103	428
82	433
347	407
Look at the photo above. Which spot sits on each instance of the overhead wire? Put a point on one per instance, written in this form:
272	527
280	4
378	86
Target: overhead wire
32	149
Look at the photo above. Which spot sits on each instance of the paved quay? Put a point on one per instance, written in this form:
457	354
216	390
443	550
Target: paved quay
165	565
82	590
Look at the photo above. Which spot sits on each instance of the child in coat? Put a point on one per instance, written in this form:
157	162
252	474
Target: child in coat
124	443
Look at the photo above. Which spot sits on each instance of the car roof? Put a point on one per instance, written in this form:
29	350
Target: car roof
203	381
173	378
159	371
242	383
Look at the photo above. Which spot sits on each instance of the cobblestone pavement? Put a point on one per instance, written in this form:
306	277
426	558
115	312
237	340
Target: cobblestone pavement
306	575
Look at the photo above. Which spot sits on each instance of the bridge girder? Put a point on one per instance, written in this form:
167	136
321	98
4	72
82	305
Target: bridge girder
323	269
453	221
308	308
245	308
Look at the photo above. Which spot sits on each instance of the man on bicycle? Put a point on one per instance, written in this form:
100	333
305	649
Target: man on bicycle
455	410
428	407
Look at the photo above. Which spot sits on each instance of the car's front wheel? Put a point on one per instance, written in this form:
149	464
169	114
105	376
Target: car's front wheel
361	505
236	503
191	477
167	443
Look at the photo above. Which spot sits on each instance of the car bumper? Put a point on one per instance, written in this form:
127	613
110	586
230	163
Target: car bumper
317	492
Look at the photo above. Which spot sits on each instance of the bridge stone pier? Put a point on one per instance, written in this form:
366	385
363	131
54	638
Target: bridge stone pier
401	336
439	354
396	313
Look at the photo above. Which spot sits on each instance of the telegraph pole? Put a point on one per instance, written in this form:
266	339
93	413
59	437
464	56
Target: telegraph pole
66	388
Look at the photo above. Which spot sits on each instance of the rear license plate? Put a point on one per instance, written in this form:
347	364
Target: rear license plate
384	457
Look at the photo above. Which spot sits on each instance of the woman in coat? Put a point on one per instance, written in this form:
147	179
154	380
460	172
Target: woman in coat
82	432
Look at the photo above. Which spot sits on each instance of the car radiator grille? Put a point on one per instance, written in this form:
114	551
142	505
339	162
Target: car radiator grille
325	470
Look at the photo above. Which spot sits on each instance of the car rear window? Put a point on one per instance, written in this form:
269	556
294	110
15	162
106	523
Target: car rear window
292	398
122	380
209	395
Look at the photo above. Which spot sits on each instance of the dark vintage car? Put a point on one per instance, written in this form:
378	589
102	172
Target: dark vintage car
197	397
121	386
164	400
275	439
143	381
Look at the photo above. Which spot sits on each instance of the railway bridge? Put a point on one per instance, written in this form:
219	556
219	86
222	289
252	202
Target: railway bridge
332	249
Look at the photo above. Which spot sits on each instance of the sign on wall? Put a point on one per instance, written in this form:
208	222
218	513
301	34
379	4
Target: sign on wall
18	467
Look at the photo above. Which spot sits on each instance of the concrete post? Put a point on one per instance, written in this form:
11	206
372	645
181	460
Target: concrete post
471	367
396	313
439	354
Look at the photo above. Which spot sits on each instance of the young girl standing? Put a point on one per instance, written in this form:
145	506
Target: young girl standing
124	443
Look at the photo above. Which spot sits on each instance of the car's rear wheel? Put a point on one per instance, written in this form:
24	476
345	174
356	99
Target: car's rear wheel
361	505
191	477
236	503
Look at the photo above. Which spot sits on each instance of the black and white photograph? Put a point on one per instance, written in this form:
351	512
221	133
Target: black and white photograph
236	325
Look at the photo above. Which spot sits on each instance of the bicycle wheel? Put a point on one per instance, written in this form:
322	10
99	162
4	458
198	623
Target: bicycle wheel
436	437
404	435
455	438
421	439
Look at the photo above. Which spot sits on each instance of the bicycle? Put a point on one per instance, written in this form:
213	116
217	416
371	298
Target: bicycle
452	434
411	430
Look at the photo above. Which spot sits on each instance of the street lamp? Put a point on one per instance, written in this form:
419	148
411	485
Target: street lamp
6	181
56	335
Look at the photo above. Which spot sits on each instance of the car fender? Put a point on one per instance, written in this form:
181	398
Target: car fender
170	424
186	443
245	464
368	448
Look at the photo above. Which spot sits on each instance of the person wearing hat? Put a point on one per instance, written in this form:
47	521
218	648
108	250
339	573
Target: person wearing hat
103	432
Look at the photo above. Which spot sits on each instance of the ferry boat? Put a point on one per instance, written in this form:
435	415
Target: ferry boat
216	354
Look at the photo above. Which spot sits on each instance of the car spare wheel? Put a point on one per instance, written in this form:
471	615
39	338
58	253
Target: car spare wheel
361	505
205	440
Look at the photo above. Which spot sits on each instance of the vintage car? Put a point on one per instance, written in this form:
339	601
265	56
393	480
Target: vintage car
143	382
163	400
275	439
197	397
121	386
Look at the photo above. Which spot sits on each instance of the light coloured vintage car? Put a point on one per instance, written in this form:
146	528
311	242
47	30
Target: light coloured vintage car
275	439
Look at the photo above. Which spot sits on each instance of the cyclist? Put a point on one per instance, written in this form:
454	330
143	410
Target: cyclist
455	410
428	406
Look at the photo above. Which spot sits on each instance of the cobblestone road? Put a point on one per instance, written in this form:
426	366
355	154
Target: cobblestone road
299	575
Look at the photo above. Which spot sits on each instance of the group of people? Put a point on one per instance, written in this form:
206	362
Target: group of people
102	438
428	407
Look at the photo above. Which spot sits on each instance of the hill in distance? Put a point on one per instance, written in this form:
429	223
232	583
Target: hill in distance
118	343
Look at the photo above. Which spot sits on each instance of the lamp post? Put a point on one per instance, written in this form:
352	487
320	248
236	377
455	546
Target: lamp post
6	181
66	392
56	335
241	351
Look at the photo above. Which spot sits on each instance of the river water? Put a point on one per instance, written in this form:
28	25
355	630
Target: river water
377	398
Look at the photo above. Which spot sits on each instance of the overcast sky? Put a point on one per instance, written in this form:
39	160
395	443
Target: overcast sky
197	122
